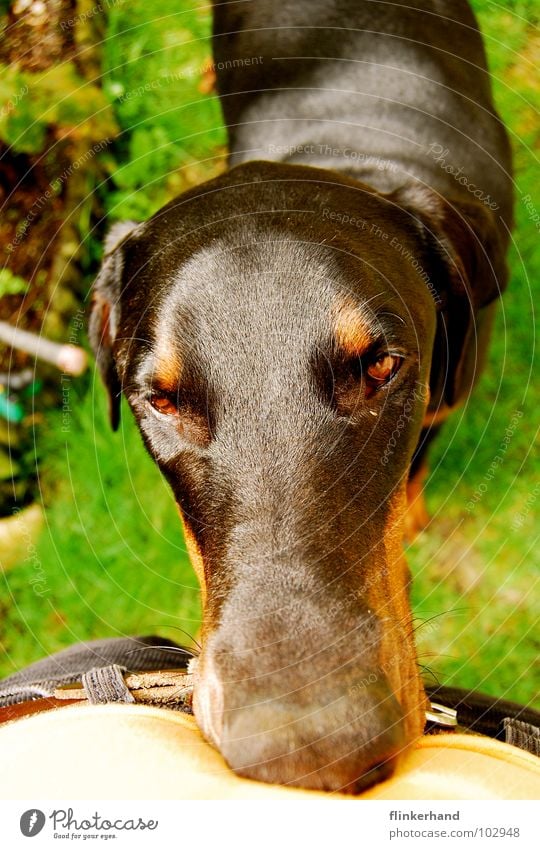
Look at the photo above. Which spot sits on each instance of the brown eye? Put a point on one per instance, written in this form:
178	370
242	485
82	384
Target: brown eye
380	371
163	405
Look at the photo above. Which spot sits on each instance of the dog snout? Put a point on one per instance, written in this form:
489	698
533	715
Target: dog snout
339	733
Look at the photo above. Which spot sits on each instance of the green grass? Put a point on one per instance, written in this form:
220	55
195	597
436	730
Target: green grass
112	553
112	559
476	568
172	133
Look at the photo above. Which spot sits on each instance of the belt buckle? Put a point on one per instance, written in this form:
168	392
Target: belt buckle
441	715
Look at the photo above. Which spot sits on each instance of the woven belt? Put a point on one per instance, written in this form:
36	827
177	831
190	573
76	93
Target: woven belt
126	671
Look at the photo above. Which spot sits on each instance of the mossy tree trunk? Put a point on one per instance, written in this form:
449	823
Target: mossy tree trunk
55	124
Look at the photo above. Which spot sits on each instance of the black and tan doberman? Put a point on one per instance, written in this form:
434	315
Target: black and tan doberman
288	337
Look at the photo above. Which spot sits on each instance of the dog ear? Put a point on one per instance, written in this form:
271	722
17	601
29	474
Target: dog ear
104	314
464	255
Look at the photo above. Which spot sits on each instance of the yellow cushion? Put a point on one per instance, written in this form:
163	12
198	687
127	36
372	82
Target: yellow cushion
138	752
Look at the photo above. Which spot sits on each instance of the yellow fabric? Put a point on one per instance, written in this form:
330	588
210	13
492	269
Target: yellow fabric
138	752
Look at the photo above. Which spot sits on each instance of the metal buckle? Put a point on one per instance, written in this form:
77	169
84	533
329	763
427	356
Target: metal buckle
442	715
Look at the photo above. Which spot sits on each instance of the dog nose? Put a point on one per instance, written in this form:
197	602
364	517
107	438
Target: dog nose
343	745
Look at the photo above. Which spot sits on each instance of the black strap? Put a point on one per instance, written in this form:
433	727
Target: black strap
136	654
522	735
490	716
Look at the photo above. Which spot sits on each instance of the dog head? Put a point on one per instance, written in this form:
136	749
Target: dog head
273	332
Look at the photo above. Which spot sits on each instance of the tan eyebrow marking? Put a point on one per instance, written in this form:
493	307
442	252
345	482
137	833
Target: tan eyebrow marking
167	367
351	328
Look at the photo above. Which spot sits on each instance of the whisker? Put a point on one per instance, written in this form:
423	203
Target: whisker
429	672
395	315
422	622
378	295
177	649
192	638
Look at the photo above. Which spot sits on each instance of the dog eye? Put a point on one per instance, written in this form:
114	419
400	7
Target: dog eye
163	405
189	424
383	369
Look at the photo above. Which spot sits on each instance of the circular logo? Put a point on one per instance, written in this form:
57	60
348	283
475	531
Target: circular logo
32	822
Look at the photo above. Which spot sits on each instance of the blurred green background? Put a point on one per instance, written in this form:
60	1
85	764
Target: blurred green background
111	559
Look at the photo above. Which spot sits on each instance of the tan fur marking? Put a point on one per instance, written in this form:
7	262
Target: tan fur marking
168	368
416	516
195	556
437	417
398	655
350	328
